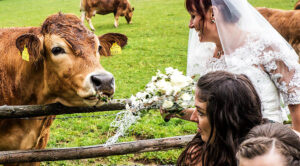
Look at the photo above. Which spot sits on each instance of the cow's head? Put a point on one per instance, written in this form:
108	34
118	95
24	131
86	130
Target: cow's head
129	14
69	55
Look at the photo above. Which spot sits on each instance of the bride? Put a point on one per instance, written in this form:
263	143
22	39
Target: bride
243	42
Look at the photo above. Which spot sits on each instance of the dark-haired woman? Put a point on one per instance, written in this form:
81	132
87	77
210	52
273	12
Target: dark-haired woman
227	108
245	43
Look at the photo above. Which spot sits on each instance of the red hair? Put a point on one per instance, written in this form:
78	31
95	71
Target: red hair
198	6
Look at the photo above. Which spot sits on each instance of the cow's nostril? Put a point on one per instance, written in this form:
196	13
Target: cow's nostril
103	82
96	80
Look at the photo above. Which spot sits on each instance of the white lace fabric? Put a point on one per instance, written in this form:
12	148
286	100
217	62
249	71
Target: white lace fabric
281	65
271	72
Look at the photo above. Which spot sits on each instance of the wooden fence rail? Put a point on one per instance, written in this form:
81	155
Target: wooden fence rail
56	109
94	151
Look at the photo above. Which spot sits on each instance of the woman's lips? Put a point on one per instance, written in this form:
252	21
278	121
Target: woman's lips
199	130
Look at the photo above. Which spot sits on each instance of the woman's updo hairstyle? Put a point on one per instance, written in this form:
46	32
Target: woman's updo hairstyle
230	16
265	138
202	6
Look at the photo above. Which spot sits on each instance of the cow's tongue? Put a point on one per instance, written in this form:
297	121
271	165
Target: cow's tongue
91	98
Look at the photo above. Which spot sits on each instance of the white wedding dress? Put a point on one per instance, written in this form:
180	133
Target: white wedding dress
274	73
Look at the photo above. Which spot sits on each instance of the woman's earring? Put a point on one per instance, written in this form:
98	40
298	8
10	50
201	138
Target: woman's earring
213	20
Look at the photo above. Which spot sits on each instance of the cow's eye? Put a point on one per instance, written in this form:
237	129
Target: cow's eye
99	48
57	50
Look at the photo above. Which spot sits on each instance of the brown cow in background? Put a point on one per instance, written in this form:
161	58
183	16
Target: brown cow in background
286	22
63	67
89	8
297	5
107	40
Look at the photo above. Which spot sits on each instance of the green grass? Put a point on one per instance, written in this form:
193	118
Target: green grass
157	39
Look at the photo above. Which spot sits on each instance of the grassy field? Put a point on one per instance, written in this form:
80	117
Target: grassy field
157	39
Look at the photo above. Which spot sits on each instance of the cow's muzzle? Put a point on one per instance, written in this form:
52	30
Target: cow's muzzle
104	83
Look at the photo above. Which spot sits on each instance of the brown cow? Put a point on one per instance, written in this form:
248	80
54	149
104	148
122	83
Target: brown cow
63	67
107	40
297	5
89	8
286	22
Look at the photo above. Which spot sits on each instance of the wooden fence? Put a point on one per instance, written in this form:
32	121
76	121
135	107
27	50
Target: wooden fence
57	109
140	146
94	151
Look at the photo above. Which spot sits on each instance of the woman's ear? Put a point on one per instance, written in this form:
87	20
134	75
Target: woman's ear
214	11
211	12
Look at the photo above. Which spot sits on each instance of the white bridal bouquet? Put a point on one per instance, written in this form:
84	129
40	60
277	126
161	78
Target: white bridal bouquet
172	92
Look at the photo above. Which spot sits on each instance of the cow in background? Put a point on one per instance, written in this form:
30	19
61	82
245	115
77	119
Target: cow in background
89	8
62	66
108	39
286	22
297	5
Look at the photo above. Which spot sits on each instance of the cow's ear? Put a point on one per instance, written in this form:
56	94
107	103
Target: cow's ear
108	39
32	43
132	9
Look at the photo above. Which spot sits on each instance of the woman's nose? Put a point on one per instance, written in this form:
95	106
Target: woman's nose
194	116
191	24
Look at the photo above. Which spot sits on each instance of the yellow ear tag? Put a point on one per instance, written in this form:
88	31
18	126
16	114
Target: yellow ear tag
115	49
25	54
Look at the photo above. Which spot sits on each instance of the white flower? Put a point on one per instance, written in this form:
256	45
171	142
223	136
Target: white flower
127	106
155	98
133	98
167	104
184	105
154	78
186	97
169	70
164	87
176	90
159	75
179	80
150	88
141	95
